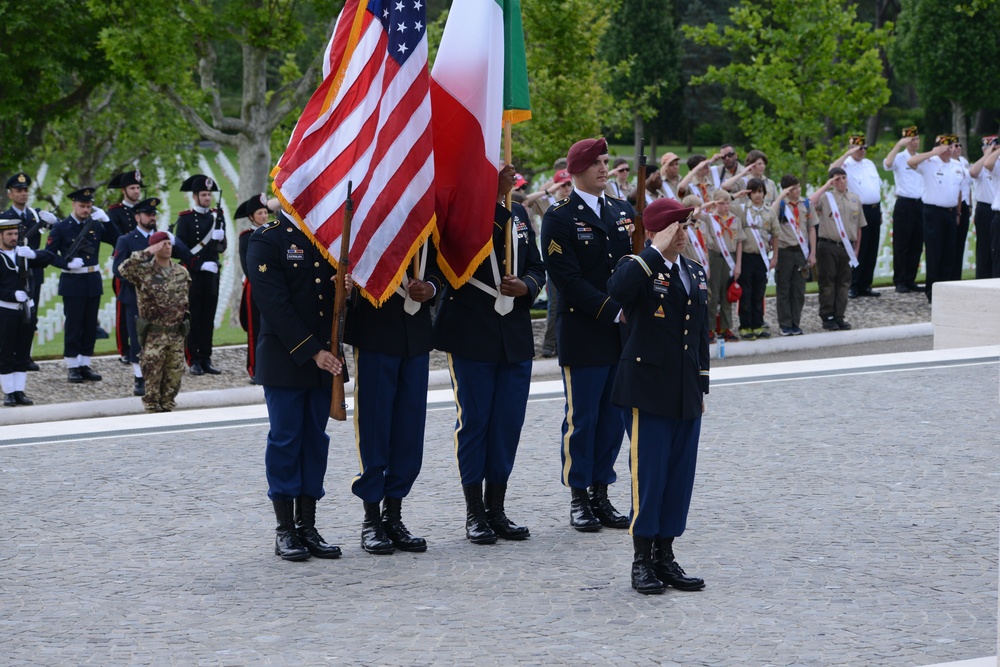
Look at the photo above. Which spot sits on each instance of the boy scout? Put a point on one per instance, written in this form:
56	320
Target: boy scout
837	243
796	253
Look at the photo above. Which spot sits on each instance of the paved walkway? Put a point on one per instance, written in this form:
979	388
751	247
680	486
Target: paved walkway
852	522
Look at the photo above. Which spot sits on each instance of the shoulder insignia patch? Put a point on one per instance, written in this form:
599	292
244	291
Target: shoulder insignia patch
659	312
554	248
560	203
266	226
187	212
262	268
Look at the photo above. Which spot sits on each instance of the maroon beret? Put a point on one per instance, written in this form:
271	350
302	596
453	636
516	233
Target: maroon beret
583	154
662	213
156	237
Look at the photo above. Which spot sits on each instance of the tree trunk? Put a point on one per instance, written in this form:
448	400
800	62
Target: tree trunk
958	124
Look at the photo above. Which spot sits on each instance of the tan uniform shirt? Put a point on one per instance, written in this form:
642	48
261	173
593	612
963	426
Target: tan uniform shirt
732	232
805	217
764	220
850	214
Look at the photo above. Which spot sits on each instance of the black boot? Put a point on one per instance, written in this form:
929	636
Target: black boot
496	516
140	387
87	373
667	569
643	576
305	526
396	530
10	400
373	537
22	399
477	529
286	540
581	516
604	510
73	375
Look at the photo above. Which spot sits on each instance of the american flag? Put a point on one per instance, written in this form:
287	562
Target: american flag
368	123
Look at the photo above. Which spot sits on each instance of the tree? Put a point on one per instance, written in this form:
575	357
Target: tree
806	66
950	55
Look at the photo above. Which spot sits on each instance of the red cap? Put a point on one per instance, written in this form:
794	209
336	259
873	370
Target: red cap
583	153
734	292
662	213
156	237
519	181
562	176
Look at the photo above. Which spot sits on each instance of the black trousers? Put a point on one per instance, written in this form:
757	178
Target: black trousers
753	280
984	241
940	229
130	312
907	239
203	297
862	274
81	325
16	336
995	244
961	233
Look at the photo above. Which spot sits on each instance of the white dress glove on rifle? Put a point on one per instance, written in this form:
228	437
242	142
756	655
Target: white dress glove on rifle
21	296
218	234
98	214
48	218
25	251
211	267
75	263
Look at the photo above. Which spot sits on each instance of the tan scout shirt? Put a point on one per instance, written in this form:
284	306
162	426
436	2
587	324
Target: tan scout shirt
850	213
732	232
804	220
765	220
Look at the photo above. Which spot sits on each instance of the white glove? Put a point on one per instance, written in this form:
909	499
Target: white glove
218	234
21	296
75	263
98	214
211	267
25	251
47	217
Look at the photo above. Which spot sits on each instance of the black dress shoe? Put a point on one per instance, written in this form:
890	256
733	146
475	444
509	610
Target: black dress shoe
843	325
373	537
668	571
915	287
22	399
496	515
604	510
286	540
140	387
32	366
869	292
396	530
196	368
852	293
89	375
902	289
581	514
644	579
73	375
10	400
477	528
305	527
209	368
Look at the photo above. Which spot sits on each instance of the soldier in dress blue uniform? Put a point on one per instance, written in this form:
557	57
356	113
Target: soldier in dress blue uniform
662	380
122	217
33	221
293	287
80	284
392	346
17	326
485	327
583	237
138	239
197	229
256	211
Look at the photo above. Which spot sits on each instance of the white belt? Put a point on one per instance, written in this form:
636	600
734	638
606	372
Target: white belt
83	269
10	305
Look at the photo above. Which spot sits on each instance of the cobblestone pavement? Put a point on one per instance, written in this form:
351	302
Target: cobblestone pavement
838	520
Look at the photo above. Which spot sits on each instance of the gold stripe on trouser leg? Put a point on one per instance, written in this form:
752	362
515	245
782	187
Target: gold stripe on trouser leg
568	383
357	430
633	453
458	408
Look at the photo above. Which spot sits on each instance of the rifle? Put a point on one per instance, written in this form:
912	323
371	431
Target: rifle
24	271
220	222
639	230
338	402
80	238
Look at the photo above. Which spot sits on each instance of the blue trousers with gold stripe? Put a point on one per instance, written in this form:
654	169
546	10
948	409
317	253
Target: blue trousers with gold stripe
390	409
592	427
297	443
491	398
663	454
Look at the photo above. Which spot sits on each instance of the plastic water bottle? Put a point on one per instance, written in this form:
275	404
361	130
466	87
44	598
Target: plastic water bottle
722	347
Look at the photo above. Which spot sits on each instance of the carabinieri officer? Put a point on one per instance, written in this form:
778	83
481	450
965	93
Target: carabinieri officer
485	327
662	379
583	237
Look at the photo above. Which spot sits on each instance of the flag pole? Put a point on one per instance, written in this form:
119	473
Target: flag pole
508	159
338	402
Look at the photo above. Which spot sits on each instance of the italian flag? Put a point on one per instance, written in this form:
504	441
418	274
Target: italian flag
479	81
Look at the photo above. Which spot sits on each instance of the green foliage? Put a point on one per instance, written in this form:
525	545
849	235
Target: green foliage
806	66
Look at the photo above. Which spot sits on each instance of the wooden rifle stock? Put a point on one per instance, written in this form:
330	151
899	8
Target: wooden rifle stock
338	402
639	230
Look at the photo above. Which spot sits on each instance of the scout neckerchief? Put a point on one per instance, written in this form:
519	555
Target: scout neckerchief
794	222
504	304
719	241
701	192
754	215
696	243
409	305
835	212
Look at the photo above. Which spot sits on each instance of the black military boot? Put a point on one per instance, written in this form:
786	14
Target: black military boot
87	373
604	510
668	571
396	530
496	516
73	375
196	368
373	537
305	526
22	399
477	529
286	539
581	516
140	387
10	400
643	576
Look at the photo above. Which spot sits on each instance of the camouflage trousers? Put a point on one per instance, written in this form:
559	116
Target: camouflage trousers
162	364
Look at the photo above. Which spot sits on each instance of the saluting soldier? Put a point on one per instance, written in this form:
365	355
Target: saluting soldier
122	217
293	287
199	230
662	380
161	288
907	213
256	211
76	242
17	328
485	327
864	181
135	241
583	237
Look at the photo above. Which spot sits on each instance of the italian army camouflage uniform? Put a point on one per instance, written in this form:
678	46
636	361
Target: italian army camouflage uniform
163	301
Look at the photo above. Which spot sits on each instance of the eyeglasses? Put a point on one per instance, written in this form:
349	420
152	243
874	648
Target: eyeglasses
728	155
625	167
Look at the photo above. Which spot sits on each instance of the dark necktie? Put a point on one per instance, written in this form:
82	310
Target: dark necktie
675	274
600	208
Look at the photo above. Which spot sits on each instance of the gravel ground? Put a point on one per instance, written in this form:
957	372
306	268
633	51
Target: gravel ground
50	386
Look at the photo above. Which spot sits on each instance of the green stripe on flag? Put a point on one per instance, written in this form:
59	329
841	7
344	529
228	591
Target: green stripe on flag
516	103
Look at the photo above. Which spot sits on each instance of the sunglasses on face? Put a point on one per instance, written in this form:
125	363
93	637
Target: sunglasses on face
728	155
